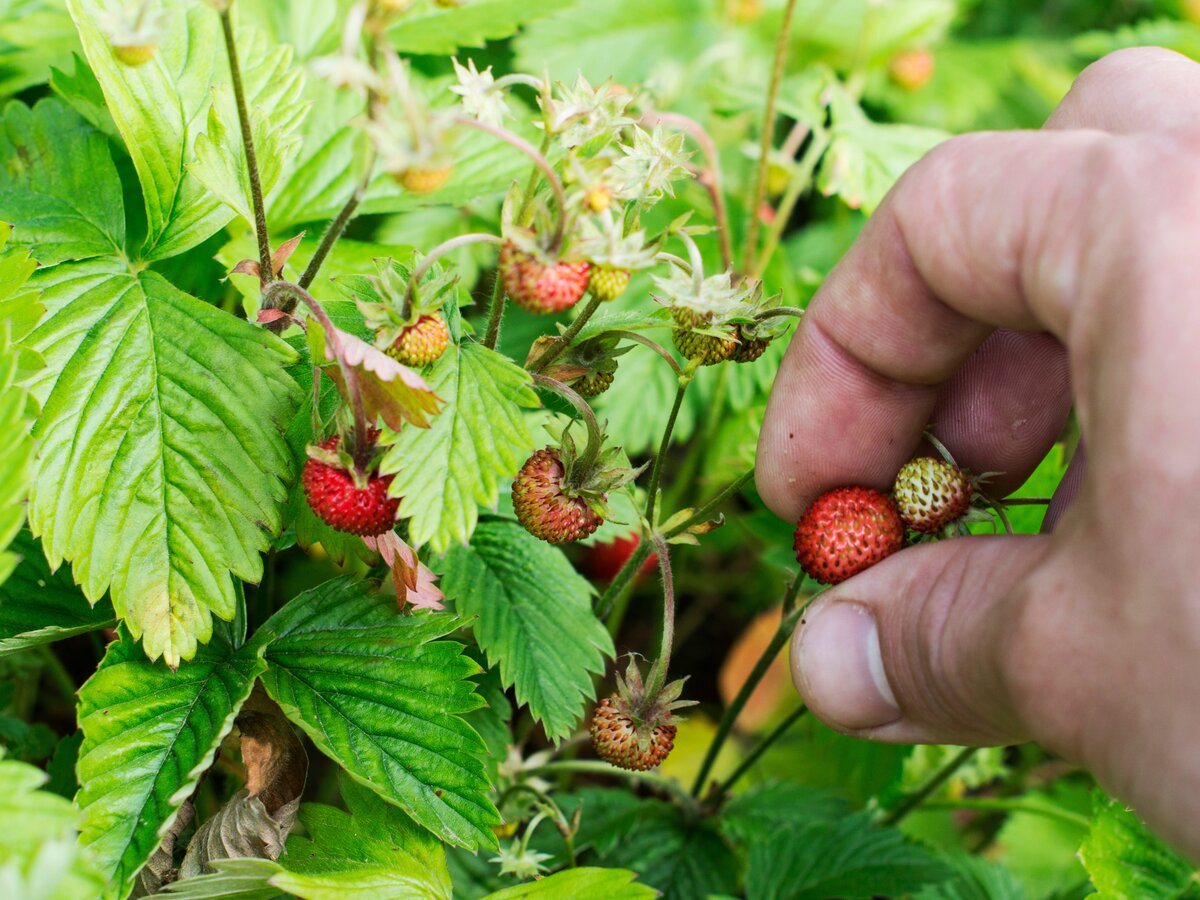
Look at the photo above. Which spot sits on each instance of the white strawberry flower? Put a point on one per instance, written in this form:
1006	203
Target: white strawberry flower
482	98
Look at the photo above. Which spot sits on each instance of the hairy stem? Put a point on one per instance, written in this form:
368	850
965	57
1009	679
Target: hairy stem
555	350
337	228
591	452
925	791
729	719
495	313
665	444
779	312
266	273
616	590
768	135
706	511
801	181
709	178
753	756
647	342
668	624
996	804
463	240
539	160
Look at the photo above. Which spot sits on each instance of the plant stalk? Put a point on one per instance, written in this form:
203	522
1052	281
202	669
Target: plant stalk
336	228
665	444
706	511
925	791
748	763
768	134
266	273
668	623
782	634
624	578
463	240
560	346
595	437
801	182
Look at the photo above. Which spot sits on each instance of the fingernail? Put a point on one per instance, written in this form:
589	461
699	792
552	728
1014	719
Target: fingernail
838	667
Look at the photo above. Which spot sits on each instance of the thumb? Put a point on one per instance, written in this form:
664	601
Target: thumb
915	649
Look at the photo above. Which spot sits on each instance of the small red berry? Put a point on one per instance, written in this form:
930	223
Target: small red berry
615	738
846	531
341	504
541	287
543	508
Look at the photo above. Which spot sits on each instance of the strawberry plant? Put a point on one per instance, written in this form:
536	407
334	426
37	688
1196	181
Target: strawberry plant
357	358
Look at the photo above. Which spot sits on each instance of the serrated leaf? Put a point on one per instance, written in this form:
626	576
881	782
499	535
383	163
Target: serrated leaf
682	858
38	607
442	30
374	852
58	184
148	735
81	91
477	441
849	858
161	464
581	884
1127	861
535	620
975	879
381	696
767	809
39	859
160	108
866	158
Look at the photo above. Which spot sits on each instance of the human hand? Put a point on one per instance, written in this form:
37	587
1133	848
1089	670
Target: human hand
1006	275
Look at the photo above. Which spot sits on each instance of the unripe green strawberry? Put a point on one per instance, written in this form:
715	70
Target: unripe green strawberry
542	506
541	287
845	531
595	384
333	495
608	282
421	343
931	494
134	55
424	180
693	345
749	349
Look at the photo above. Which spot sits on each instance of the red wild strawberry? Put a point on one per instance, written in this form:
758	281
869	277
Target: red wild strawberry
543	506
421	343
342	503
931	494
538	286
633	730
846	531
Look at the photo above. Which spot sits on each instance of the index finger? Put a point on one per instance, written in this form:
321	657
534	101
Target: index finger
963	245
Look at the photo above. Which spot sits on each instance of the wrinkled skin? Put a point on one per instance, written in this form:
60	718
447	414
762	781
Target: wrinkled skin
1005	277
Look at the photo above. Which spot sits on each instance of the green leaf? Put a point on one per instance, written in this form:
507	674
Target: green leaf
39	859
148	735
775	806
374	852
683	859
442	30
1126	860
34	35
161	465
975	879
866	158
59	185
38	607
477	441
312	29
849	858
381	696
581	884
160	109
231	879
535	619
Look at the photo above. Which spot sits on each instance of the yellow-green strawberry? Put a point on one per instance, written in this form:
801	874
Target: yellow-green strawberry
608	282
423	180
707	348
931	494
539	285
421	343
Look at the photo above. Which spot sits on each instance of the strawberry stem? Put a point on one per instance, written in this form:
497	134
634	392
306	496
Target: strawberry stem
782	634
778	312
665	445
800	182
645	342
266	273
708	509
753	756
591	453
463	240
921	794
658	676
540	161
709	177
555	350
782	42
337	227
